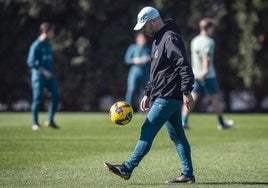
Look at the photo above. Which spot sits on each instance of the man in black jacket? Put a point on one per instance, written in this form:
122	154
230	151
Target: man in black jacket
170	85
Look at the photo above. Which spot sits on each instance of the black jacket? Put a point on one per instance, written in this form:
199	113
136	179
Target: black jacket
171	73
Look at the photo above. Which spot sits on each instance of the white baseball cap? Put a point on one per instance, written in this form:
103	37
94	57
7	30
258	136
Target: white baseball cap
146	14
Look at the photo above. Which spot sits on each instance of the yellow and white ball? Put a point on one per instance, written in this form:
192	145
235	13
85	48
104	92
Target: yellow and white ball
121	113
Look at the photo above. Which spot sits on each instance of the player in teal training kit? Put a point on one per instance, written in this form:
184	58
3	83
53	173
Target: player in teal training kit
202	52
138	56
170	85
40	60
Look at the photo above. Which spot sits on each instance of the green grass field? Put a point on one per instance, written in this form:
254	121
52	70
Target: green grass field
73	156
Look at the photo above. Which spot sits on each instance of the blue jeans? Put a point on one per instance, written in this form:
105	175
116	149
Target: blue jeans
163	111
39	83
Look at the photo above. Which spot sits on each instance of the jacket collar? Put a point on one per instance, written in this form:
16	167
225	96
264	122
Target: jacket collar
169	25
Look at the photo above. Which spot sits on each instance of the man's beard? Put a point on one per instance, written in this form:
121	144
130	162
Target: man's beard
150	34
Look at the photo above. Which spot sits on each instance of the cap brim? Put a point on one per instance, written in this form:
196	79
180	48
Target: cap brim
138	26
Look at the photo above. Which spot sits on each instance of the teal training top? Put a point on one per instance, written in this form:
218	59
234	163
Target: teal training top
40	55
135	50
201	45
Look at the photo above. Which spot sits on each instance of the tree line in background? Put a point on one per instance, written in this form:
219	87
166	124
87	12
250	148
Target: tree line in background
93	35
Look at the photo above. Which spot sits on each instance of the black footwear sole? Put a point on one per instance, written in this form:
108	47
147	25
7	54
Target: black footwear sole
51	125
109	167
181	182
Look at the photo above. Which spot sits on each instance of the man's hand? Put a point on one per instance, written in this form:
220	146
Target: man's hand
141	60
188	101
144	105
45	72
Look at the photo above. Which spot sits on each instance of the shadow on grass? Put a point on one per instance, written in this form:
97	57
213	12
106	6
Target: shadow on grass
207	183
232	183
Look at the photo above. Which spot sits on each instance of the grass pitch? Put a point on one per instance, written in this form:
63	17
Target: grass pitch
73	156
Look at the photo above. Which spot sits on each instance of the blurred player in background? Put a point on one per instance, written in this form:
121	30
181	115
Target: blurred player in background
40	60
138	56
202	52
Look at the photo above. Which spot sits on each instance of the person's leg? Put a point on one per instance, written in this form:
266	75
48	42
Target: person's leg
217	107
197	91
157	116
55	96
213	91
212	88
177	135
185	112
131	86
37	94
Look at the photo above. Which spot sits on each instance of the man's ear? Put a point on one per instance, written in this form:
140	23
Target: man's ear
153	21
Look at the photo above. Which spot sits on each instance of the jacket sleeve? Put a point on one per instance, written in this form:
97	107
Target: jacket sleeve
147	90
176	53
32	60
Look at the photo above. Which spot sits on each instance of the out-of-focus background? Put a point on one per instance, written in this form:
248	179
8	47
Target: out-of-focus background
92	37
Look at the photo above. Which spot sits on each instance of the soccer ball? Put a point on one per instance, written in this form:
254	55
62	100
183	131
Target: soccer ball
121	113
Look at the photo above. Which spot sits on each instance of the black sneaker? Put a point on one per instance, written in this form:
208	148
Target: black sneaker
51	124
119	170
182	179
227	124
185	126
